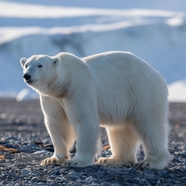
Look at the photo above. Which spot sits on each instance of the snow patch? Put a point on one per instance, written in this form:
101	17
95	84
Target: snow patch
175	21
177	91
26	94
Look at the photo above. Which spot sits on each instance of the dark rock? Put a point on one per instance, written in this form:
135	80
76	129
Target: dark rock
105	184
25	172
132	170
22	166
73	176
89	180
34	179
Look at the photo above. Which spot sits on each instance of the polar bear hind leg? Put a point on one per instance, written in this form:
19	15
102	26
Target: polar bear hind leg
154	138
124	144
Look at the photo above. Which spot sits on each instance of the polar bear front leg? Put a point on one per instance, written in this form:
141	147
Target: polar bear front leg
84	117
59	129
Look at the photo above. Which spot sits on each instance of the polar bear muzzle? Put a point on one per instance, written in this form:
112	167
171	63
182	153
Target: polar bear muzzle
27	76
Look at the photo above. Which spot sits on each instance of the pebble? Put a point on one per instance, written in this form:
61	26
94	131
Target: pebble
25	172
40	152
183	154
73	176
26	149
34	179
132	170
21	165
106	184
113	171
89	179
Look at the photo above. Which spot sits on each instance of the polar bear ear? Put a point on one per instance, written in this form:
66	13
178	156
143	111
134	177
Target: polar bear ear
23	61
56	61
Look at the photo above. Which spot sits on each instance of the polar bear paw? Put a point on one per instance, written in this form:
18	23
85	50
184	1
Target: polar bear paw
112	161
154	161
53	161
76	163
145	164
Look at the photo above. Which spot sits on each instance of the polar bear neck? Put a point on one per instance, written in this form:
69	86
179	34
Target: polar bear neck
76	75
59	90
59	84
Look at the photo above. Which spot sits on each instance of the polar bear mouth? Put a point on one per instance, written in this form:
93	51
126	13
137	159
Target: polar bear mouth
31	82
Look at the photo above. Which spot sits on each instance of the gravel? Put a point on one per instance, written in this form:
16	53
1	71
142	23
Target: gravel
22	128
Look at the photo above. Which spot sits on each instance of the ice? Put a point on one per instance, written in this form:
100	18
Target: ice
177	91
26	94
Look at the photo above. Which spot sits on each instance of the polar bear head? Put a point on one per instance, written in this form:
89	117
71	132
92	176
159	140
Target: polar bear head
39	71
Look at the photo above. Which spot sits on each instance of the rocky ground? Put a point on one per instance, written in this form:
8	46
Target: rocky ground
24	142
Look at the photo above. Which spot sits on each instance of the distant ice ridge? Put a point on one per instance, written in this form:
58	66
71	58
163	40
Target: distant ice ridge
26	94
162	46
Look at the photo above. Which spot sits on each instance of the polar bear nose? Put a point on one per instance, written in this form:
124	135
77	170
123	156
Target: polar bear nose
27	76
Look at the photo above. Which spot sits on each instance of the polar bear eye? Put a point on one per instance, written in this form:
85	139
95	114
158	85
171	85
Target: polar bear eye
39	66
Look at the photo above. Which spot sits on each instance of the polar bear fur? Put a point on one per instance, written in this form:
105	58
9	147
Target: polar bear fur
116	90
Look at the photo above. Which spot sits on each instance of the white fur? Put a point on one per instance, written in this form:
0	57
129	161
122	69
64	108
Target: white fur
117	90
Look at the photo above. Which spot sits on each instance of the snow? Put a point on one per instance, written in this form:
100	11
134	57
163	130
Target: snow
35	27
177	91
26	94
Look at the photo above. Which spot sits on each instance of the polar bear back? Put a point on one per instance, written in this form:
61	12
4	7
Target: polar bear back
138	83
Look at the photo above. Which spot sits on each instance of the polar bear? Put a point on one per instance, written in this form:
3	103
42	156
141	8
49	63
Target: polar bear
116	90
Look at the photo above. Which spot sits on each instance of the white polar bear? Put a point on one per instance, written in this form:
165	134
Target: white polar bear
117	90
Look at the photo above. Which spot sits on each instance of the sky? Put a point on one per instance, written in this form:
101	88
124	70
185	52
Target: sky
178	5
